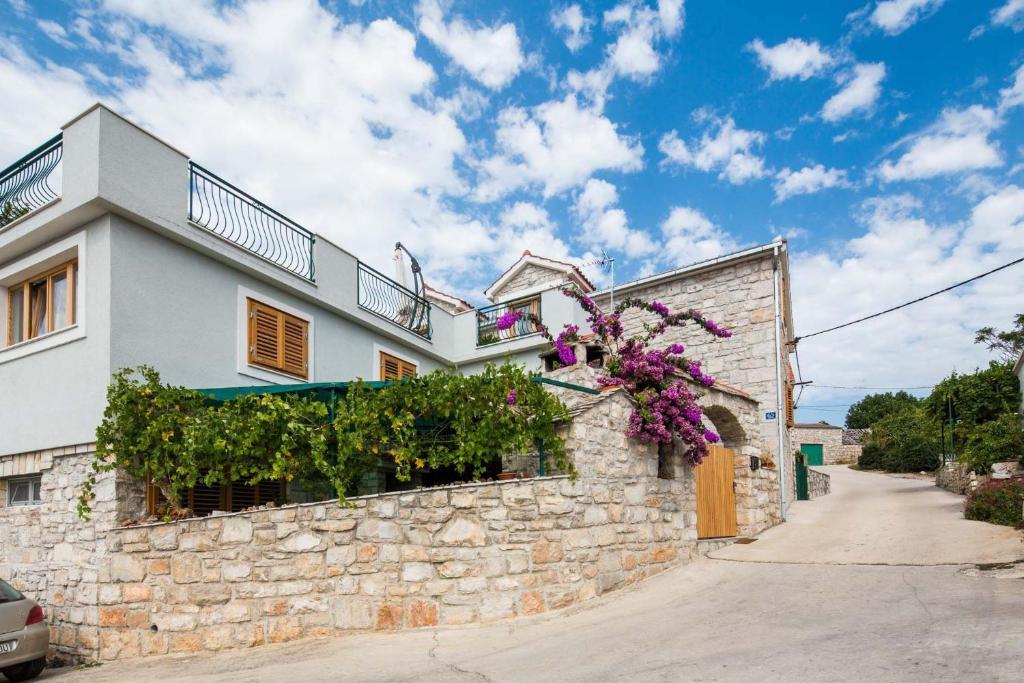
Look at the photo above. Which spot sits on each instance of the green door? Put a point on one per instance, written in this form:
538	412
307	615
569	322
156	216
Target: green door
815	453
801	477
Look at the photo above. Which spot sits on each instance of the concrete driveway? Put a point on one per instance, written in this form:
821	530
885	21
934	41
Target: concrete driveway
783	616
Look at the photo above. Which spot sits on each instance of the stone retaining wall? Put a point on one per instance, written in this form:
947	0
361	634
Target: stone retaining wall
818	483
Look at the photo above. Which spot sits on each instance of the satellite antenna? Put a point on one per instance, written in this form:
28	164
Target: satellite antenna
607	264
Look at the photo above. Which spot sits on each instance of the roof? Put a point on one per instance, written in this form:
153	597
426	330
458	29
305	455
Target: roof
814	425
852	437
526	259
459	304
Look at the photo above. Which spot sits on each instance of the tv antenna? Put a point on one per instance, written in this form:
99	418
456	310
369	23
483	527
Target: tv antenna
607	264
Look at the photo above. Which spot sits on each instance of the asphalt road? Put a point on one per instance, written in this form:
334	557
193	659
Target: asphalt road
772	611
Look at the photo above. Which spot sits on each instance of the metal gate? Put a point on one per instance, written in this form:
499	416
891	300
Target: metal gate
716	497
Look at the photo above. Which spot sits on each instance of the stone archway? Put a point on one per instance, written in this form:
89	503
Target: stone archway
727	425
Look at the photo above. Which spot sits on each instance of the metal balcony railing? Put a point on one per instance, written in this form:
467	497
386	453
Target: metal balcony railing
487	331
384	297
31	182
235	215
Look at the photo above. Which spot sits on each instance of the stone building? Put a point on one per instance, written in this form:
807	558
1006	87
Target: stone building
827	444
747	292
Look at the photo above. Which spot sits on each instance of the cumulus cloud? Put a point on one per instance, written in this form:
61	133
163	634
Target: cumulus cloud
603	224
899	256
807	180
490	54
896	16
722	147
689	236
1013	96
860	90
1009	15
793	58
957	142
556	145
574	25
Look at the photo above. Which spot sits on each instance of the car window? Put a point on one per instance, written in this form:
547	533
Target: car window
8	594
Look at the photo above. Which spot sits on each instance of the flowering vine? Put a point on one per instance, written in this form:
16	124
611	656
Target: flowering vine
666	408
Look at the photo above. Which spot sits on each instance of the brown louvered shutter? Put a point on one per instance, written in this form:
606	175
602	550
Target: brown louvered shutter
295	346
265	332
277	340
392	368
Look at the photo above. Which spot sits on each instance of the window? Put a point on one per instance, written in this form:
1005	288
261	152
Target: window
278	340
394	368
790	407
234	497
42	304
25	491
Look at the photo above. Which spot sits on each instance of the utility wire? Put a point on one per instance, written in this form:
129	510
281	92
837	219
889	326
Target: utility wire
833	386
908	303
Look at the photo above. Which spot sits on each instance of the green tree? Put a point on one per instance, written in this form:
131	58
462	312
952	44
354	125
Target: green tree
9	211
874	407
976	398
995	441
1009	344
903	441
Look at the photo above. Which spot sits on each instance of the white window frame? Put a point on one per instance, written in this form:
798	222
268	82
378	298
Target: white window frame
378	349
30	480
242	353
47	258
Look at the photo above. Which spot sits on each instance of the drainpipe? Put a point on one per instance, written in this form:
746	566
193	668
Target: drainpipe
780	418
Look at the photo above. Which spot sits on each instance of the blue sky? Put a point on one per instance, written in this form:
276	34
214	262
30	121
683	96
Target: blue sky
883	139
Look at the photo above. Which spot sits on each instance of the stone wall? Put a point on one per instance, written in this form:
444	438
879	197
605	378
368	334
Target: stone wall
531	276
831	438
47	552
452	555
849	454
818	483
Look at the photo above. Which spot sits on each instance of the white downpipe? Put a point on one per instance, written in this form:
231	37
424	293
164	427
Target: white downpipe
780	417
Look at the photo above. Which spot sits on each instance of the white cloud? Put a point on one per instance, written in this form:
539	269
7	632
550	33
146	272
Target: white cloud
557	145
900	256
1009	15
633	54
1013	96
794	58
729	150
491	54
55	32
575	25
527	226
860	90
896	16
958	142
689	236
672	16
807	180
604	224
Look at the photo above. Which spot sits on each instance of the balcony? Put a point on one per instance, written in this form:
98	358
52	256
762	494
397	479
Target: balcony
487	331
240	218
31	182
389	300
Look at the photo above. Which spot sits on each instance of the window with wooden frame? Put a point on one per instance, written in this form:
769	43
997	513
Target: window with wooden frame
394	368
790	402
234	497
278	340
42	304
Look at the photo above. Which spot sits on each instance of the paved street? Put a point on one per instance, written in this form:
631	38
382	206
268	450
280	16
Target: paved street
842	592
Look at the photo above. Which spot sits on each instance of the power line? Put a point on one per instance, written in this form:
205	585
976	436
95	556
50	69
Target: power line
908	303
833	386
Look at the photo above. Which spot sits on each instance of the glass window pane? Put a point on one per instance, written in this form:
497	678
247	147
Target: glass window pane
37	324
18	492
59	291
16	317
37	487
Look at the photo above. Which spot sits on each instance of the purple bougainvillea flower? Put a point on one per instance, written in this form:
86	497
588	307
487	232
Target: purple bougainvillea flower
659	308
711	437
508	320
511	398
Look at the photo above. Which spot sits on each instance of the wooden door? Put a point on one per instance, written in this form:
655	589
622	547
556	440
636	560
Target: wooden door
716	498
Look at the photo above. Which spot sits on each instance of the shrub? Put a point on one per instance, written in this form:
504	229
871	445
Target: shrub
998	502
902	442
872	457
995	441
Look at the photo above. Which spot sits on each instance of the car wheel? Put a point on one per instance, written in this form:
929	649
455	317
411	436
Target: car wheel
26	671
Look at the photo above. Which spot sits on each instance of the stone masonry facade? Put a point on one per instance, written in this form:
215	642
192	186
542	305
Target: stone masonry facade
831	439
818	483
531	276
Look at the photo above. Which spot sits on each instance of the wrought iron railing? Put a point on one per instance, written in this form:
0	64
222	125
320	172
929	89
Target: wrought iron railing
29	182
384	297
235	215
487	331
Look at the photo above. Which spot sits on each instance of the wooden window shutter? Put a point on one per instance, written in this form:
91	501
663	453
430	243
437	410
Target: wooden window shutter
278	340
393	368
790	408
